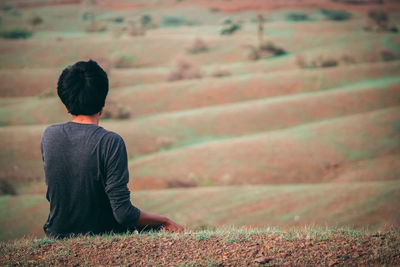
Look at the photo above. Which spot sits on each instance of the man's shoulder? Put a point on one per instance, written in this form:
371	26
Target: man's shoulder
111	137
79	130
52	129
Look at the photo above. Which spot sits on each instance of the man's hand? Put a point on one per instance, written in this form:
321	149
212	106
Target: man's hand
149	219
171	226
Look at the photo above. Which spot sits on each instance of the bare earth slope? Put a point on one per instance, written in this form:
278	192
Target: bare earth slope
301	154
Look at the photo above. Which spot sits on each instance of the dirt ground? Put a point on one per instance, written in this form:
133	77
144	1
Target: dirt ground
316	248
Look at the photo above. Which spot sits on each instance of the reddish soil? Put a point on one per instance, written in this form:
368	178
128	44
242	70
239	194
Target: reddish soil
195	249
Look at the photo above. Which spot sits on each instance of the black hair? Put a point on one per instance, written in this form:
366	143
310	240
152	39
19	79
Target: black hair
83	88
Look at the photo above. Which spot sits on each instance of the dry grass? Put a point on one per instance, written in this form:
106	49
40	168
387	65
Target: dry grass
184	70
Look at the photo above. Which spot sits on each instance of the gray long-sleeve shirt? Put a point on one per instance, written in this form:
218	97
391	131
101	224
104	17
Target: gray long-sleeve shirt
86	172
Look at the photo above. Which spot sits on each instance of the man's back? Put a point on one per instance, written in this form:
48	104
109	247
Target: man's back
86	174
86	167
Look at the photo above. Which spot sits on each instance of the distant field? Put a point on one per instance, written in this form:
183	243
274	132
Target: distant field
285	206
300	129
183	129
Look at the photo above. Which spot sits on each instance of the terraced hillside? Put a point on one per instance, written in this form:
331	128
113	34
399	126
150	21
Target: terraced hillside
215	136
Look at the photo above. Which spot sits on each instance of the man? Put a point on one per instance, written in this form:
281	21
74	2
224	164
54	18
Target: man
86	166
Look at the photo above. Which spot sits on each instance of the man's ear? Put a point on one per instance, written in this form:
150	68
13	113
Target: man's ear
101	111
67	109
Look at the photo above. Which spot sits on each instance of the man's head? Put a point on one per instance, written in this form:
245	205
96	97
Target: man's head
83	88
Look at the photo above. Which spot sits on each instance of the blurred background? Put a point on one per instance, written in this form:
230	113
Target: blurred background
246	113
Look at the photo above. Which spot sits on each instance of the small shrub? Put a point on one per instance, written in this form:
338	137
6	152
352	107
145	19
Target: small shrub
6	8
6	188
348	59
165	142
319	62
16	34
172	21
96	27
227	21
198	46
116	111
393	29
379	16
183	70
388	55
124	62
47	93
180	184
145	20
272	48
34	20
297	17
337	15
88	16
230	29
221	72
118	19
378	20
329	63
252	53
135	30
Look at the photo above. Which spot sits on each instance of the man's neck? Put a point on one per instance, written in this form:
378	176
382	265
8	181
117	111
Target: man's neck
87	119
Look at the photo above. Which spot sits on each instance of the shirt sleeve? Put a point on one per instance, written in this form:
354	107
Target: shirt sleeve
116	180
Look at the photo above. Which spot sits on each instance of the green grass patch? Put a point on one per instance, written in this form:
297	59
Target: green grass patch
396	126
16	34
201	237
336	15
359	154
296	17
176	21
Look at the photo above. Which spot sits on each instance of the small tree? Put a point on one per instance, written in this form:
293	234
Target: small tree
263	49
183	70
260	29
34	20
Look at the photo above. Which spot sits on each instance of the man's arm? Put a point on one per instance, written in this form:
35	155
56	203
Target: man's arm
117	177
